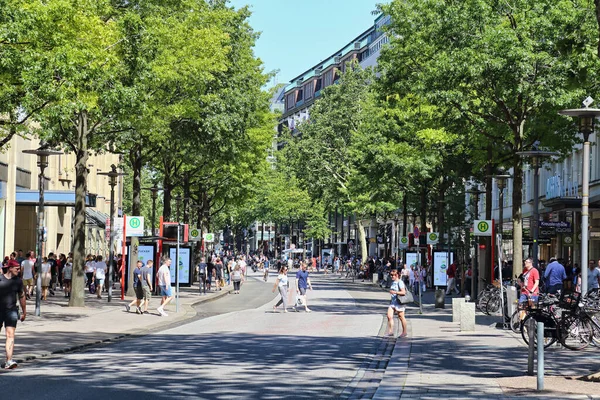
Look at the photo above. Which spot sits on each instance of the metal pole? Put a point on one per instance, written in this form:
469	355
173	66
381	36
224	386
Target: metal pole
111	254
475	271
585	187
40	222
540	356
499	238
154	195
531	336
536	211
177	271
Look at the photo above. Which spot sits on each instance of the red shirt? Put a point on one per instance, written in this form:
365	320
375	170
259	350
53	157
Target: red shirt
451	271
529	278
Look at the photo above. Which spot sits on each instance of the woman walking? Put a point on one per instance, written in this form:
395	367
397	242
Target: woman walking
282	284
46	277
396	290
237	277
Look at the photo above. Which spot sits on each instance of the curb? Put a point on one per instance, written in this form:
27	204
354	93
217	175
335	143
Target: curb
187	314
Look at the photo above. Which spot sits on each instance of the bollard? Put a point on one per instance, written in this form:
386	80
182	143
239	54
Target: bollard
467	317
540	356
530	334
440	298
457	302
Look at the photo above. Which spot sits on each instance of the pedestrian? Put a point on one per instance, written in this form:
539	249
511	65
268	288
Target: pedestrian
67	276
302	284
397	289
164	282
46	277
11	288
282	285
137	287
28	272
202	275
593	277
468	279
219	270
53	271
210	271
147	284
336	264
62	262
530	283
89	270
99	275
554	275
451	272
237	278
266	270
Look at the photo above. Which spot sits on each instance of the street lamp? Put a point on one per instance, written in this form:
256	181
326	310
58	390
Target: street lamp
112	175
536	162
475	262
587	117
501	179
154	190
177	202
42	153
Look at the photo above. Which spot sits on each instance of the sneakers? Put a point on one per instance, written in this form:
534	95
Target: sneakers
127	307
162	312
10	364
138	310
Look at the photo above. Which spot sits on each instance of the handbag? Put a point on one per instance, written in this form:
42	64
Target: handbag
407	298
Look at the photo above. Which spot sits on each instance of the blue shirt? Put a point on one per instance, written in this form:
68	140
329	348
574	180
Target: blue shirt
302	277
555	273
396	287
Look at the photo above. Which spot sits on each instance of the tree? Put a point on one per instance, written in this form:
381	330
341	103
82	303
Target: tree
505	68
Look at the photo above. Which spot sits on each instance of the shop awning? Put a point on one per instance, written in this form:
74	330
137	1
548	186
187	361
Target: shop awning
65	198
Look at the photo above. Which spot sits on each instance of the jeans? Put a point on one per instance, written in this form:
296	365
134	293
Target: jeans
283	291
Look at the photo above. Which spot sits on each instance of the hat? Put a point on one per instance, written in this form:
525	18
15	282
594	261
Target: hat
13	263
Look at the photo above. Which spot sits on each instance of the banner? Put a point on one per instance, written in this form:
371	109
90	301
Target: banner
183	267
440	267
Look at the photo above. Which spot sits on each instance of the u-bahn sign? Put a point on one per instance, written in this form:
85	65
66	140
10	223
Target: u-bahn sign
482	227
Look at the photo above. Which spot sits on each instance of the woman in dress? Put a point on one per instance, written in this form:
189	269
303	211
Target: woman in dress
282	284
46	277
396	290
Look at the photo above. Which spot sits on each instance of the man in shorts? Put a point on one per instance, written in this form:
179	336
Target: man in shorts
302	284
137	287
531	283
28	272
147	284
11	288
164	283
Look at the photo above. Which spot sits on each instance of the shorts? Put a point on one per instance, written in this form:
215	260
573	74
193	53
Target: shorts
99	283
524	298
9	318
28	282
166	291
67	280
147	293
397	306
139	293
302	291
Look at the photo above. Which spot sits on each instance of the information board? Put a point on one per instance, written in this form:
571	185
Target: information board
412	259
184	265
440	267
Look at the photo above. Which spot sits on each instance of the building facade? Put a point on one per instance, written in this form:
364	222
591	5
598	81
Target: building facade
19	196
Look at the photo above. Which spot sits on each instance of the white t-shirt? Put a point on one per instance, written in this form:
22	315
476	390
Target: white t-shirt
46	268
89	267
164	276
100	269
283	279
593	275
68	271
26	266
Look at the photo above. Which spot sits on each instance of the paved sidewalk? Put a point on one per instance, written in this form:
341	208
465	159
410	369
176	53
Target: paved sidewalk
439	361
61	328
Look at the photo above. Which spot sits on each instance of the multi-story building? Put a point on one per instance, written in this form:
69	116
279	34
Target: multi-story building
19	197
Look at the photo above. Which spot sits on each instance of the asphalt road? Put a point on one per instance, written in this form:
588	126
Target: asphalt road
236	348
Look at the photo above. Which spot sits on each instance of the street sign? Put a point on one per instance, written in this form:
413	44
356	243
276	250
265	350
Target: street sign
482	227
416	241
433	238
135	226
403	242
567	241
209	237
194	235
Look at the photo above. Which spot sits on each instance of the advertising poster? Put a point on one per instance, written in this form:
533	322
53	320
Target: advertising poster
440	267
146	253
412	259
183	267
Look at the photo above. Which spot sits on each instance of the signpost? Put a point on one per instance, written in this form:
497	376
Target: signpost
404	242
482	227
135	226
433	238
194	235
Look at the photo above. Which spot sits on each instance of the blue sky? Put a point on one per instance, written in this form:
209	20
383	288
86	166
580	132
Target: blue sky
297	34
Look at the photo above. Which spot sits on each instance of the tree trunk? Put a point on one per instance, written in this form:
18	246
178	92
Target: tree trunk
167	187
484	267
363	241
77	298
136	210
517	198
404	215
597	4
186	196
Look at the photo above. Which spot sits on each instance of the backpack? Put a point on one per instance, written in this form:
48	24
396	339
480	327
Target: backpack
93	288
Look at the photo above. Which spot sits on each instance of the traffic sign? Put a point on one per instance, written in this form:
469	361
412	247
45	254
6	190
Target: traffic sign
209	237
194	235
482	227
416	231
433	238
135	226
404	241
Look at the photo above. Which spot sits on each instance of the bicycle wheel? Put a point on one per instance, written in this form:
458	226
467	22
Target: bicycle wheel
482	299
549	338
493	305
575	333
596	333
515	321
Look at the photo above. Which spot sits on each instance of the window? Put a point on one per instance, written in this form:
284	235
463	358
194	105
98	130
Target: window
318	85
308	90
290	102
328	78
300	95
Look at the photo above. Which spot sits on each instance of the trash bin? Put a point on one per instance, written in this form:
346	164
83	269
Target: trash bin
440	298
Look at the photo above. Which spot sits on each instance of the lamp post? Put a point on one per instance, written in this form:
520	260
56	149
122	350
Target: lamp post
587	117
154	191
177	202
475	261
42	153
112	175
536	157
501	179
